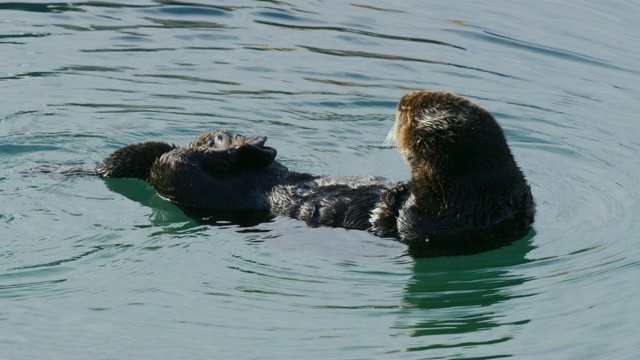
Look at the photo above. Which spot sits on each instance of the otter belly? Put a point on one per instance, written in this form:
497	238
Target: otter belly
330	201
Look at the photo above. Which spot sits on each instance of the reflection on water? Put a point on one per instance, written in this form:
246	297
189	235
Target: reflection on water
455	302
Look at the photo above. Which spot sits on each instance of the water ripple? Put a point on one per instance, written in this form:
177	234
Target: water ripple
351	53
541	49
39	8
359	32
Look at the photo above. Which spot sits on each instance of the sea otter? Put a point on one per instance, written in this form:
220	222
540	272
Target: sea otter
466	193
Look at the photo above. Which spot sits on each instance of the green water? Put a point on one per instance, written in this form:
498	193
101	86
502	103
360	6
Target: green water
108	270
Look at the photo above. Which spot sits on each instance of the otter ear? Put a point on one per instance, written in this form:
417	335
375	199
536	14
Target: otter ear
252	156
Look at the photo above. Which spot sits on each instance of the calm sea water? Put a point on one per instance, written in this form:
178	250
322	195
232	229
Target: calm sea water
108	270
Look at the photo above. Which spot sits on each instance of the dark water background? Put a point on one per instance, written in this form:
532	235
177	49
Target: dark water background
108	270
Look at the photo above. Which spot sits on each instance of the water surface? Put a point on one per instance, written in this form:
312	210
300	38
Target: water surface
108	270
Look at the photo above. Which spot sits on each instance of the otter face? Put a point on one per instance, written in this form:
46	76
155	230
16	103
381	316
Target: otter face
221	139
243	151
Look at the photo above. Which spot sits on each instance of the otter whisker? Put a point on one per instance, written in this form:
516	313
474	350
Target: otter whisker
390	141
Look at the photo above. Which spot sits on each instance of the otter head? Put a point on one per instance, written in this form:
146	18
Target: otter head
222	139
465	186
243	151
443	136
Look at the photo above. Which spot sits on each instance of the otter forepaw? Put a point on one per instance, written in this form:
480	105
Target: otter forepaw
252	156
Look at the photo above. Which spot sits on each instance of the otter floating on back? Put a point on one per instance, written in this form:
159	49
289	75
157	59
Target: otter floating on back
466	193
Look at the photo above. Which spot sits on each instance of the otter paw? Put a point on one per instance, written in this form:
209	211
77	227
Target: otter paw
252	156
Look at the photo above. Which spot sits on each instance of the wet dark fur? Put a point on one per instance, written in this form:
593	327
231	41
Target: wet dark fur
466	194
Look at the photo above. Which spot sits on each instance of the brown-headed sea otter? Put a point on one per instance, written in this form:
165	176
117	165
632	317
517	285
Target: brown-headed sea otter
466	194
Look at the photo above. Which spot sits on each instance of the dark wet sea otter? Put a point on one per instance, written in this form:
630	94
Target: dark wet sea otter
466	193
